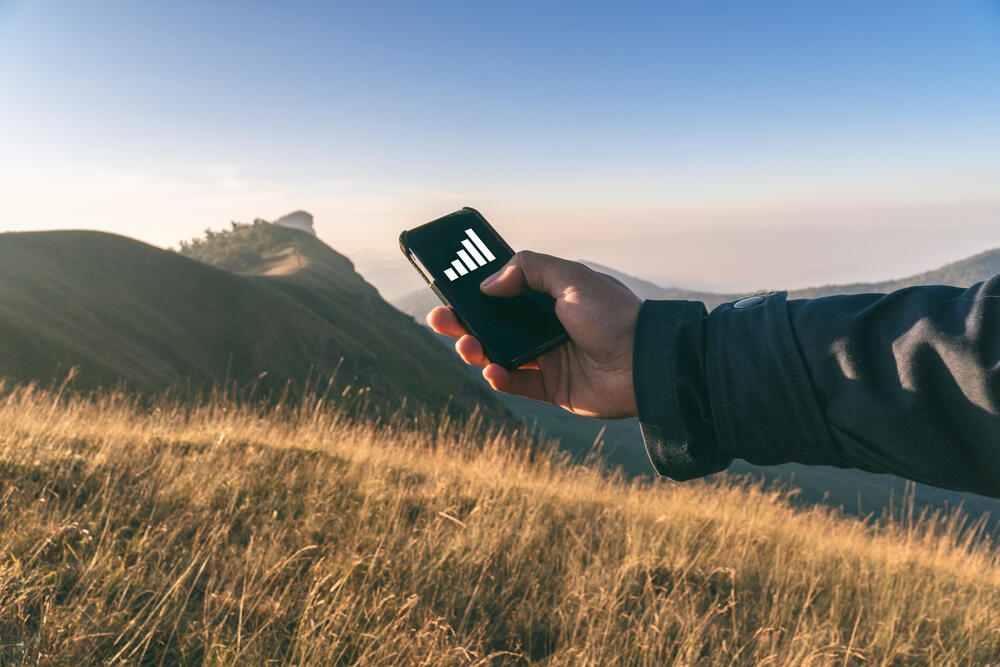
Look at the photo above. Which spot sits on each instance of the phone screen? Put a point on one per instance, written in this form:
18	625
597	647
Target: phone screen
457	252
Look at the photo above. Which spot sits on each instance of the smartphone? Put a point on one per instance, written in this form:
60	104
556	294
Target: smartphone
457	252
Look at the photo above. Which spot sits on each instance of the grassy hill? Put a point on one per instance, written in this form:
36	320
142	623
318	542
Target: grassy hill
232	534
856	491
324	282
121	311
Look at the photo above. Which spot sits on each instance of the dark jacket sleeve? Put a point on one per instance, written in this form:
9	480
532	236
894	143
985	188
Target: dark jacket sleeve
906	383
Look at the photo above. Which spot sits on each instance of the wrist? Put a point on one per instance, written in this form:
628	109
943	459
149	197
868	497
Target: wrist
671	390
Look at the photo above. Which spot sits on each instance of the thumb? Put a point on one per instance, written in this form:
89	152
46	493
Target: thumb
533	270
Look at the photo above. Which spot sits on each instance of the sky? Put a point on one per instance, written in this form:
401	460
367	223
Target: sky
727	145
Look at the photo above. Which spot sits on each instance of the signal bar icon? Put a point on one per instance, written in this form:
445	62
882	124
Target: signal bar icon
471	256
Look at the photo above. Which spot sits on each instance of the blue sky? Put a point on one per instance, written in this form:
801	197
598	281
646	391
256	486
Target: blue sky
663	136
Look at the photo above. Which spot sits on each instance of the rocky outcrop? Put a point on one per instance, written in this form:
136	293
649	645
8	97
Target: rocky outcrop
298	220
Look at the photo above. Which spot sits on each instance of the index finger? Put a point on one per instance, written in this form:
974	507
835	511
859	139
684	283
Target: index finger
443	321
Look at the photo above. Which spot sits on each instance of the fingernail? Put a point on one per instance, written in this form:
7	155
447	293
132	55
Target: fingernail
490	280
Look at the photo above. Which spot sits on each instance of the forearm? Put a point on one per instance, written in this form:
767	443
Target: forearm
906	383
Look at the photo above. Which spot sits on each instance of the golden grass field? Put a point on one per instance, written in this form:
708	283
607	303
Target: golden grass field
230	533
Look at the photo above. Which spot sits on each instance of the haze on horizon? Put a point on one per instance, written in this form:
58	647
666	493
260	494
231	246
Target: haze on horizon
701	144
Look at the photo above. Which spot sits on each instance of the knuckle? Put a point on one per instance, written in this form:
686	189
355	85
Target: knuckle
522	257
577	270
534	263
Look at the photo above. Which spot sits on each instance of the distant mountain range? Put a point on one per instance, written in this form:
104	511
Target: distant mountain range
856	491
967	271
259	303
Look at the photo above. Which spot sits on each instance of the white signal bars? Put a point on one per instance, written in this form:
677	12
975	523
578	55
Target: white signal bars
471	256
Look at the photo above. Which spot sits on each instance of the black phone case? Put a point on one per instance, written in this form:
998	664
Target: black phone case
490	351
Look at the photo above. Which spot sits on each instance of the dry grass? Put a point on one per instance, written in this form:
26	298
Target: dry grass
229	534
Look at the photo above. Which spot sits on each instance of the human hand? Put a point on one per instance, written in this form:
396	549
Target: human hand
590	375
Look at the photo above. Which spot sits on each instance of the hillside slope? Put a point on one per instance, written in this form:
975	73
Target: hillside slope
125	312
226	534
854	490
324	282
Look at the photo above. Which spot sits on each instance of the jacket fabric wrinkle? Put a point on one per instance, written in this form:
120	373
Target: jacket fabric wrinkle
906	383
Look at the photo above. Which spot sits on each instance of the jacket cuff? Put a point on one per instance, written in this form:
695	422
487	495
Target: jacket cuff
764	406
672	396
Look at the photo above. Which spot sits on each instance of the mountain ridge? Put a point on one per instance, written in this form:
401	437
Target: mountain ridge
963	272
126	313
